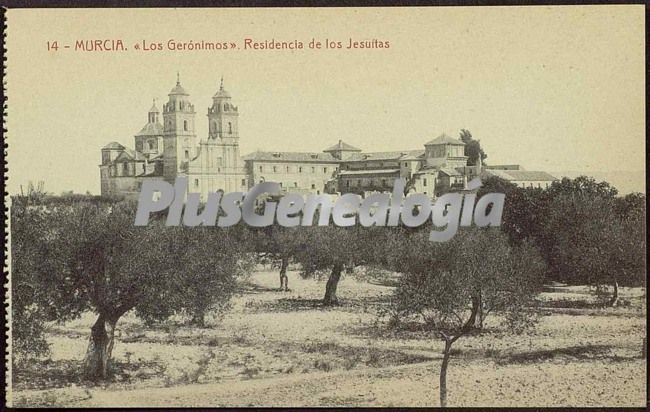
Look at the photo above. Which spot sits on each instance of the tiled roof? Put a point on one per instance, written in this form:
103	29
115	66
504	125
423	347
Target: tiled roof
521	175
151	129
444	139
401	155
368	172
291	157
450	171
131	154
343	147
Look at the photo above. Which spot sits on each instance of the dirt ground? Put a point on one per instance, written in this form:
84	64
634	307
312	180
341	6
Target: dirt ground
278	348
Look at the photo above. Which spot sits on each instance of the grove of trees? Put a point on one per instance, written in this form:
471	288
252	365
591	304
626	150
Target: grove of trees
84	254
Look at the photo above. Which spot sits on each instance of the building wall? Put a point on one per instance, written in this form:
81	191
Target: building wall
300	177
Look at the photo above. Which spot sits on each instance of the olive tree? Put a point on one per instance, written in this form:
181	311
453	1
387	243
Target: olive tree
447	283
328	248
91	257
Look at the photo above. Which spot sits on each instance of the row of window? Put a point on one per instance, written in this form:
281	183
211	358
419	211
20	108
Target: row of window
532	185
384	182
196	182
293	169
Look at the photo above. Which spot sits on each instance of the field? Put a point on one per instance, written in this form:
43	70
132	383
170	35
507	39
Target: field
278	348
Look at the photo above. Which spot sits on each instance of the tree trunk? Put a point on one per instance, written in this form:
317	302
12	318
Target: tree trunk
332	283
478	322
449	340
100	348
614	301
443	373
284	279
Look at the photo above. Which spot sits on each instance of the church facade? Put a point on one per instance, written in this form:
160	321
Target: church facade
168	147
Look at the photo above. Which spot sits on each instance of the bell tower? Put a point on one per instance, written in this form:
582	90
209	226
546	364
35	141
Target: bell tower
222	118
178	131
224	130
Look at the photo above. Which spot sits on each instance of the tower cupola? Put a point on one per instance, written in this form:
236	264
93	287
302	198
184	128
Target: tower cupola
223	116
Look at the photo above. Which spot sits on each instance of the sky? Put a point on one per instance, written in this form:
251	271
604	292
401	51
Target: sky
550	88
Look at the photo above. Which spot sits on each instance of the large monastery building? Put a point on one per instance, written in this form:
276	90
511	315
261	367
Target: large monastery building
168	147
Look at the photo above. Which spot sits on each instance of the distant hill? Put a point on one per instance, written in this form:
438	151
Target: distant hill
626	182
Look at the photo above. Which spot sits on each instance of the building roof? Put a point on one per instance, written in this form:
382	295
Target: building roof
444	139
504	167
113	146
450	171
131	154
401	155
314	157
222	92
178	89
521	175
341	146
368	172
151	129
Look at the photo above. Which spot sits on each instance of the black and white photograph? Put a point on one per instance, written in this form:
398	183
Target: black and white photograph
325	207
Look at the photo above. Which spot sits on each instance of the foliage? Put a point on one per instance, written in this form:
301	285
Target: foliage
87	255
472	148
443	281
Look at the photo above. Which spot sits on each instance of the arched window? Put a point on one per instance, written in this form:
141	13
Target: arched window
152	144
185	125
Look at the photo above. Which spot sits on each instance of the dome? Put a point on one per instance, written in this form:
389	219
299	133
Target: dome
223	94
178	89
113	146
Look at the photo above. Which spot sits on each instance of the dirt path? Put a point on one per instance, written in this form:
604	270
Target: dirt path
470	383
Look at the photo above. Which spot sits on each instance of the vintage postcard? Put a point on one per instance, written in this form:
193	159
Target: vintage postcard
301	207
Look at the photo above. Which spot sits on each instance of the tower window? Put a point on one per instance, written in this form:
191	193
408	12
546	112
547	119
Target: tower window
187	154
229	128
424	182
300	169
261	169
275	169
185	125
196	182
313	169
324	170
243	182
313	186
